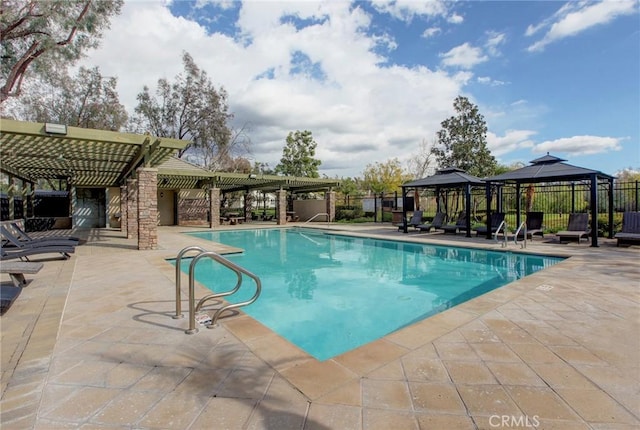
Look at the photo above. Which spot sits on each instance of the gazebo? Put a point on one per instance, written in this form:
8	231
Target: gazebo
553	169
448	178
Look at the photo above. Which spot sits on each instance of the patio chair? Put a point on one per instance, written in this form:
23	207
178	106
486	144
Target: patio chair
496	220
534	224
437	223
415	221
630	228
577	228
461	224
22	235
10	240
11	253
7	296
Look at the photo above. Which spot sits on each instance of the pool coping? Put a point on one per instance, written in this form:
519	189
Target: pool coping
359	362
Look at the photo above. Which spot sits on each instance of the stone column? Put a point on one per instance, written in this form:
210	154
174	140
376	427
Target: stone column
147	208
73	198
330	196
123	209
132	209
214	209
281	207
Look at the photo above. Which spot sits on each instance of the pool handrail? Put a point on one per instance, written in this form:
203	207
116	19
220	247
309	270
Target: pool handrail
503	227
317	215
523	228
234	267
181	254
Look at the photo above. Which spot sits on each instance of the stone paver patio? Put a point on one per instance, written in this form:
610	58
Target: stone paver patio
90	343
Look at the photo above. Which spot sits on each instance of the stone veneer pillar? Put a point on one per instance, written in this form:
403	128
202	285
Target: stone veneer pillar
330	196
214	209
281	207
123	209
132	209
147	208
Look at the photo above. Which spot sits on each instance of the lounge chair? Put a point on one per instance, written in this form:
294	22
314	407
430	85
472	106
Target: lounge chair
7	296
415	221
496	220
22	235
630	228
534	224
10	240
577	228
437	223
461	224
25	251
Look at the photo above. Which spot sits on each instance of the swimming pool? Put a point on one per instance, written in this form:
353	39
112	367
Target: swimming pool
329	293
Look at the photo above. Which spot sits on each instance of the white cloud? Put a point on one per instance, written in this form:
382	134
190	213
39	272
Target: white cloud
511	141
406	10
576	17
430	32
361	112
580	145
464	56
486	80
455	19
494	41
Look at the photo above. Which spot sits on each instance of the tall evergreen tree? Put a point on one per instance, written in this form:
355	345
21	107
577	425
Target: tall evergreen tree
462	141
298	156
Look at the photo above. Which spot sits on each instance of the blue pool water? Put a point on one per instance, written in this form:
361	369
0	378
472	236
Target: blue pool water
329	293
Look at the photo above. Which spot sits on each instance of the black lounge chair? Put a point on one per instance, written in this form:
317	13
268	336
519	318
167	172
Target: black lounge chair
577	228
630	228
415	221
496	220
461	224
534	225
437	223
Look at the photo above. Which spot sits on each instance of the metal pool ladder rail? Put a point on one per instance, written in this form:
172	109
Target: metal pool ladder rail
503	227
523	227
317	215
193	307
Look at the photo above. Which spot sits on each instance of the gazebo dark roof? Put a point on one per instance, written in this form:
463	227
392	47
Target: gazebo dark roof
451	176
547	169
553	169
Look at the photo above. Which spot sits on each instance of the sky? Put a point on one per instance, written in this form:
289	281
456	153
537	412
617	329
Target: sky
373	80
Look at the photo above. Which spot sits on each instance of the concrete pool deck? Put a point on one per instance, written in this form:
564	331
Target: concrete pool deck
90	343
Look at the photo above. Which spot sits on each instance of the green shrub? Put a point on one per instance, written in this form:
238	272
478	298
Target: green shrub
603	224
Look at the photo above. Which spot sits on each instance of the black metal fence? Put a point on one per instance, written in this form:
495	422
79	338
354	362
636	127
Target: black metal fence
556	201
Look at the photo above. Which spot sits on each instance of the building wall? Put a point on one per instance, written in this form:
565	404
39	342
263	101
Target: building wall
113	207
193	208
306	209
166	207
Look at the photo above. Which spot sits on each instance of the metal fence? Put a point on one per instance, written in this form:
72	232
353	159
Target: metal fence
556	201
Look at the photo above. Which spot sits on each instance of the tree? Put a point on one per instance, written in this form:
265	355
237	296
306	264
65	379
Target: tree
189	108
88	100
384	177
420	165
298	156
42	36
348	187
462	141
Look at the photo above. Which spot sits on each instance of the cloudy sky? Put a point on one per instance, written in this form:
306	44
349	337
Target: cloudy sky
372	80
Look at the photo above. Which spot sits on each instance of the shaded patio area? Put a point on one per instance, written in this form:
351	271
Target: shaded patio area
91	342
